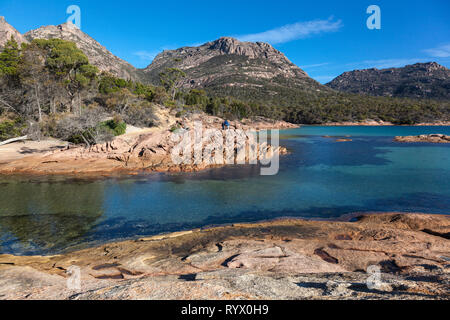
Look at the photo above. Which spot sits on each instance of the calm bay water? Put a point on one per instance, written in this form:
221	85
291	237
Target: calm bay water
321	178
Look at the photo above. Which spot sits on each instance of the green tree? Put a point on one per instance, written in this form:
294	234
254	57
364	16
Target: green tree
71	65
33	74
10	59
110	84
9	78
197	97
171	80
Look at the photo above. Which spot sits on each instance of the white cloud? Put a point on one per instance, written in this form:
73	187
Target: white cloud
318	65
442	51
146	56
387	63
294	31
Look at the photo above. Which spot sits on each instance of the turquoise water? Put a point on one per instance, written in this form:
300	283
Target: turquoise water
321	178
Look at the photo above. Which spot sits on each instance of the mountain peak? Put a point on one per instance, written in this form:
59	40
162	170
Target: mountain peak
233	66
428	66
190	57
7	31
98	55
62	31
253	50
68	26
227	39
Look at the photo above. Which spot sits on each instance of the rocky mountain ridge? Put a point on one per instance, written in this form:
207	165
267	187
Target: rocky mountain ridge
7	31
192	57
98	55
420	80
255	73
212	62
251	72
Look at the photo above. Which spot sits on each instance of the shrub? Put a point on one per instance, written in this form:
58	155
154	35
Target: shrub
141	116
110	84
179	114
11	128
84	129
116	127
197	98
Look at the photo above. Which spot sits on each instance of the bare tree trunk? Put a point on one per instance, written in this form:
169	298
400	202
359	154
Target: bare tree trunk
124	108
38	102
8	106
85	140
79	104
174	92
52	105
72	103
13	140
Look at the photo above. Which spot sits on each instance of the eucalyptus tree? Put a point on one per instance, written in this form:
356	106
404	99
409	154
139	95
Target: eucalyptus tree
70	66
9	76
171	80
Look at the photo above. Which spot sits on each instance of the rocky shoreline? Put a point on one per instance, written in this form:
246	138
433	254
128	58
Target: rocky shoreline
372	123
282	259
150	151
147	152
429	138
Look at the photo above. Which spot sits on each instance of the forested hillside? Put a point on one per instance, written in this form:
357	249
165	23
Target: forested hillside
263	81
49	88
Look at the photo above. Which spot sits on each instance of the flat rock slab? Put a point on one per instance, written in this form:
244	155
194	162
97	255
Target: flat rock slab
283	259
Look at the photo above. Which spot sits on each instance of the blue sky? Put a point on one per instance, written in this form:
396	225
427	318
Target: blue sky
325	38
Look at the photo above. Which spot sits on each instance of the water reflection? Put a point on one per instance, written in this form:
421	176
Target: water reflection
40	216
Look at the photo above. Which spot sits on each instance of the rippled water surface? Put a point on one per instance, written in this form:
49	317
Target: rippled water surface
321	178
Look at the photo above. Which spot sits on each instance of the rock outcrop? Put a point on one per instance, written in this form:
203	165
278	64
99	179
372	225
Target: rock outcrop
195	57
7	31
430	138
98	55
421	80
153	151
284	259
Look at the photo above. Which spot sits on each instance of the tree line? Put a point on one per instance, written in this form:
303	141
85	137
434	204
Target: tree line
49	88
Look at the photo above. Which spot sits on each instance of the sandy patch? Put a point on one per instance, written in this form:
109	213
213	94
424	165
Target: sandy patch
19	150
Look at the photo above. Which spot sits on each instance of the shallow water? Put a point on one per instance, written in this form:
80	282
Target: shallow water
321	178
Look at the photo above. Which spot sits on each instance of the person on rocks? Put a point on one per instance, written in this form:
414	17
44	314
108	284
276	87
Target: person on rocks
226	125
